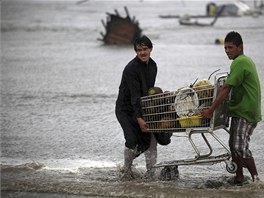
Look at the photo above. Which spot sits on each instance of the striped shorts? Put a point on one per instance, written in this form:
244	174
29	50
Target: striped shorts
240	132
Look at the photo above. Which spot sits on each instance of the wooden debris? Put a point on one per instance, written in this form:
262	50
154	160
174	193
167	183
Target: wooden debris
120	30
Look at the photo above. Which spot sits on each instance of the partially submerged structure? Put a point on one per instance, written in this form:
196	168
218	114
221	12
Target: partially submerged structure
187	20
237	8
120	30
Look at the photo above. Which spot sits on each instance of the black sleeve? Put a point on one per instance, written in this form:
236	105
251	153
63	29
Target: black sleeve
133	82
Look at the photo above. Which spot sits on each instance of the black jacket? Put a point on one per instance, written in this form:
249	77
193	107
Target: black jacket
137	78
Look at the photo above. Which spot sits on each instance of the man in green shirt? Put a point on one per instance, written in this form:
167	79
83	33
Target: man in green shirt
245	105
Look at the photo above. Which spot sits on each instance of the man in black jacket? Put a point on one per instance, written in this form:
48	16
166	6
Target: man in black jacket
138	76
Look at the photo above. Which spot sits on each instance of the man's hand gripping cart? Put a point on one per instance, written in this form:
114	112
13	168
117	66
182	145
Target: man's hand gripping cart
180	112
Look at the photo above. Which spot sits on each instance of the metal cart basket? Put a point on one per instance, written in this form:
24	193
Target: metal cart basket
180	112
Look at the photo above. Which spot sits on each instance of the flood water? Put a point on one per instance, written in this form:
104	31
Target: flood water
59	133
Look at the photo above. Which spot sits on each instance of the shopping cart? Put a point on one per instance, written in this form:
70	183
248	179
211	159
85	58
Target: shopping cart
180	112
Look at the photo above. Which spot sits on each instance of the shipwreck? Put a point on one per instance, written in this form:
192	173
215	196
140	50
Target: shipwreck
120	30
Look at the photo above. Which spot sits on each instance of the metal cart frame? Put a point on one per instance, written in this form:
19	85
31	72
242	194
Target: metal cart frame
180	112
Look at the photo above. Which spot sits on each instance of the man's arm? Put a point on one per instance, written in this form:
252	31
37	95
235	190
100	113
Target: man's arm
223	94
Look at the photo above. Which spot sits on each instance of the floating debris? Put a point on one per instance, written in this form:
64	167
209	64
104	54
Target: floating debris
219	41
120	30
186	20
233	9
236	8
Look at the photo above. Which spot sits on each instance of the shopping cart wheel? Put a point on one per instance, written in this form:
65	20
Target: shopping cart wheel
231	167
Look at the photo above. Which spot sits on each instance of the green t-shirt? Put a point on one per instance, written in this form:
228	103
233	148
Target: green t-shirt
246	95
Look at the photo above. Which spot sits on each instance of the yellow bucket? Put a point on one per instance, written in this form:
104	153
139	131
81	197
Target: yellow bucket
190	121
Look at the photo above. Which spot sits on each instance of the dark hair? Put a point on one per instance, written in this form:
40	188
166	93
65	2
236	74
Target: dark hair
234	37
144	40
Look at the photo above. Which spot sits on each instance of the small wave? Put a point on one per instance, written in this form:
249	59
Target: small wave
68	164
43	28
27	98
105	182
23	167
94	96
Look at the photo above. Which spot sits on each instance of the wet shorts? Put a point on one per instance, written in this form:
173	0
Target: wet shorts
240	132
